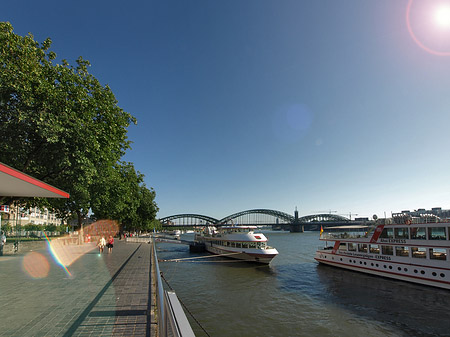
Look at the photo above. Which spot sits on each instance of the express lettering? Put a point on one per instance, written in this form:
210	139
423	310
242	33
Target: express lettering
379	257
393	240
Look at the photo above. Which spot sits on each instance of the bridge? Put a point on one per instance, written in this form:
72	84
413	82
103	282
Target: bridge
258	217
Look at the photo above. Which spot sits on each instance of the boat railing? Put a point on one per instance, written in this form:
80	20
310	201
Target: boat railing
343	235
172	320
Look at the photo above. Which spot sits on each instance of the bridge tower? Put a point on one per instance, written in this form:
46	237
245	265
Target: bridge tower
296	226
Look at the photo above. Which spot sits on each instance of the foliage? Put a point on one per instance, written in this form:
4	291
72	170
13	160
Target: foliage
155	224
147	209
60	125
6	228
121	194
52	228
32	227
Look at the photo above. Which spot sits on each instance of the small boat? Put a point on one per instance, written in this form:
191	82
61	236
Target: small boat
237	242
409	249
174	234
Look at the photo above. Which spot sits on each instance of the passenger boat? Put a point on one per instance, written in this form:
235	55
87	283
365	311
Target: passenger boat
408	249
237	242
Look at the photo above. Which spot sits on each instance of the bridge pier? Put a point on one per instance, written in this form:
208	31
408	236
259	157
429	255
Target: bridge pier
296	228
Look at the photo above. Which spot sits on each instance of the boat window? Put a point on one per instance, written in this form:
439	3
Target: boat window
438	254
437	233
387	233
418	233
345	232
401	251
375	249
362	247
351	247
387	250
401	233
238	245
419	252
342	246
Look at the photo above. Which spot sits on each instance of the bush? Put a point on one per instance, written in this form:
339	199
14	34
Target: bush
51	228
32	227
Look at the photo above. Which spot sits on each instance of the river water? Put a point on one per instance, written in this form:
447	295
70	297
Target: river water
295	296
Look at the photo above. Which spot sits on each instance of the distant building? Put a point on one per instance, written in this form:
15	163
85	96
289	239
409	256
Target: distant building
34	216
437	211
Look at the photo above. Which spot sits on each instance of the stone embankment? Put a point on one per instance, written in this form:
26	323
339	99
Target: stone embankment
24	246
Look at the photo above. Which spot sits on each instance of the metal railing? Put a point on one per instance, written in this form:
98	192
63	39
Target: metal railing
172	320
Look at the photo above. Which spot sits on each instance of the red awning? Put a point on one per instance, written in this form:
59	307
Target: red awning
14	183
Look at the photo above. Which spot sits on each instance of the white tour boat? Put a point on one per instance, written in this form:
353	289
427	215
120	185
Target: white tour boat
237	242
411	249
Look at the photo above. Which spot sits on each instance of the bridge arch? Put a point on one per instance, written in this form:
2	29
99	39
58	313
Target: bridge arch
323	218
284	217
166	220
259	217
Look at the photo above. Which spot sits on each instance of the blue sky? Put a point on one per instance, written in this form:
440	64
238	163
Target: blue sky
323	105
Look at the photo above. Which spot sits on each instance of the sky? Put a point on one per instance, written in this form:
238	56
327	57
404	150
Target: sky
338	106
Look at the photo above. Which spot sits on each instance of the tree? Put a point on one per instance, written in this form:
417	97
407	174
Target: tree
57	122
147	210
121	194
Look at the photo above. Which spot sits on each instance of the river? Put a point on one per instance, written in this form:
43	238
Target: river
295	296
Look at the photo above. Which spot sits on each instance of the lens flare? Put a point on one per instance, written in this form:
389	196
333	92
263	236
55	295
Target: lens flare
292	122
36	265
427	16
55	255
442	16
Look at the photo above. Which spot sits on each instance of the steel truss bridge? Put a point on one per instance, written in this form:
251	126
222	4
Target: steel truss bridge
258	217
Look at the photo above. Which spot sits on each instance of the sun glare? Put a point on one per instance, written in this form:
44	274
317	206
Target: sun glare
442	16
428	23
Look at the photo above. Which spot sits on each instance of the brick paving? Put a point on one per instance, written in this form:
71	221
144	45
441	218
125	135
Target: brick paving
104	294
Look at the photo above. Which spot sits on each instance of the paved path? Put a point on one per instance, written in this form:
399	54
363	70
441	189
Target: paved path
98	295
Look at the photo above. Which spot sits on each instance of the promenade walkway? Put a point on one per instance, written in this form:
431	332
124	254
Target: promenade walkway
97	295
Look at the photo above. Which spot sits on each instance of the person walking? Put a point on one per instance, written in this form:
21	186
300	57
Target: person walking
101	244
110	244
2	242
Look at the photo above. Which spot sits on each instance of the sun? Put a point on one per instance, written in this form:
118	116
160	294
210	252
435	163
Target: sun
428	23
442	16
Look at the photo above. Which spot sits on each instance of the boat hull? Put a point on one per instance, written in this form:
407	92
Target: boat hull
421	274
262	256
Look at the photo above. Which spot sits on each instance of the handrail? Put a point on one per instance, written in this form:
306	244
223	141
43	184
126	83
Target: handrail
170	313
159	294
175	316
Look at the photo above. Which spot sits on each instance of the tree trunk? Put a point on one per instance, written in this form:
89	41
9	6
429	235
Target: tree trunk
80	225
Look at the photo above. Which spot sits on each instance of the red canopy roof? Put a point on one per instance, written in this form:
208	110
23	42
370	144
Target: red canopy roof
14	183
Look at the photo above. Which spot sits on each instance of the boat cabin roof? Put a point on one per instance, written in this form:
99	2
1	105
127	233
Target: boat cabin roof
355	228
238	227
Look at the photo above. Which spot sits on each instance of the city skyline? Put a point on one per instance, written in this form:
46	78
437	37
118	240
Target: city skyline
337	106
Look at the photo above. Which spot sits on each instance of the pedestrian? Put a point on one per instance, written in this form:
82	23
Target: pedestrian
101	244
110	244
2	242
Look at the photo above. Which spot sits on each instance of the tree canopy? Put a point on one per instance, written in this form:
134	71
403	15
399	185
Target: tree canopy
60	125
